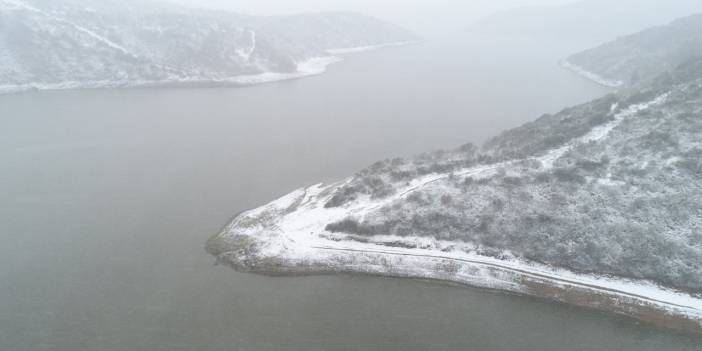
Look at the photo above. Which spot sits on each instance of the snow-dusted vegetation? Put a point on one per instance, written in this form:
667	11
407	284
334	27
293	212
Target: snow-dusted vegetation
627	203
95	43
599	205
608	192
642	56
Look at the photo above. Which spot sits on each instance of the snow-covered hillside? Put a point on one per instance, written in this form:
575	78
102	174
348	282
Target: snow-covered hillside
599	205
54	44
640	57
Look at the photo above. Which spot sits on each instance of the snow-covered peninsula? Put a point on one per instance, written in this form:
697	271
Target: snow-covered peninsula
596	206
288	236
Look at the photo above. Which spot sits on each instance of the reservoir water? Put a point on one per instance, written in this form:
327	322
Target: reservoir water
107	198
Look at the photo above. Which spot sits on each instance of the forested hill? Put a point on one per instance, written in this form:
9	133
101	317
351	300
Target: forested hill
640	57
86	43
613	186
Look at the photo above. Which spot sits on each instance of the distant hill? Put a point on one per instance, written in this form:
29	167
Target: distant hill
643	56
95	43
587	22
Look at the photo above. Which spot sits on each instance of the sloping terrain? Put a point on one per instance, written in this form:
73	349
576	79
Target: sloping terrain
93	43
643	56
599	205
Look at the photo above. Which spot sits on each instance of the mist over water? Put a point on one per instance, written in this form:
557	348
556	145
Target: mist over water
435	18
109	195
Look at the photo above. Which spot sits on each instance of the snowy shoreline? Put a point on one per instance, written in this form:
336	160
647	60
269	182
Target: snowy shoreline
310	67
590	75
313	62
289	236
256	242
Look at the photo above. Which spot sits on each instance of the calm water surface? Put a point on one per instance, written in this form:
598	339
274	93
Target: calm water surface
107	197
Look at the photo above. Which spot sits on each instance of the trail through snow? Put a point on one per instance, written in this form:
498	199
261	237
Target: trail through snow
90	33
547	160
294	227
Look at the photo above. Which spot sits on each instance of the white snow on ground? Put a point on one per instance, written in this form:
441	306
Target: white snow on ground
15	4
307	68
600	131
98	37
299	236
310	67
591	76
107	42
546	160
20	88
246	53
293	228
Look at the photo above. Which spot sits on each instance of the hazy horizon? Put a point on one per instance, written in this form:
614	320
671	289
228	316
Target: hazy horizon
427	18
346	175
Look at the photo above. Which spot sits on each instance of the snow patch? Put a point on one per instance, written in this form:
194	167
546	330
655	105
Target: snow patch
15	4
310	67
610	182
246	53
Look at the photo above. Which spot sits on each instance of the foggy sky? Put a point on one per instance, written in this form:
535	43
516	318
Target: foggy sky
427	17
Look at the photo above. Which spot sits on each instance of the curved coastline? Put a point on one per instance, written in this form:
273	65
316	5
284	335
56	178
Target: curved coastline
311	67
290	236
590	75
258	241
